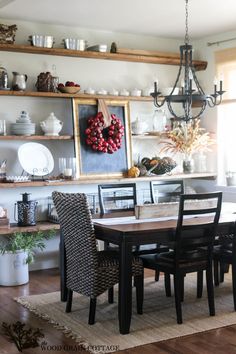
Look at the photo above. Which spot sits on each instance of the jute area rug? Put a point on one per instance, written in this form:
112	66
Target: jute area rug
157	323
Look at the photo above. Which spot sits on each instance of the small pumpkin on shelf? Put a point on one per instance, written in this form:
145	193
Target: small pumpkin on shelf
133	172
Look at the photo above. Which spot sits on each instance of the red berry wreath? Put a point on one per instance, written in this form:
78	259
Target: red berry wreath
107	140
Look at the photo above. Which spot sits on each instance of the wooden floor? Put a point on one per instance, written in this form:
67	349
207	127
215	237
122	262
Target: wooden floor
220	341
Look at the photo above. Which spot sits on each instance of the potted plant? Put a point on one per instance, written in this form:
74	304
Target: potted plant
17	252
187	138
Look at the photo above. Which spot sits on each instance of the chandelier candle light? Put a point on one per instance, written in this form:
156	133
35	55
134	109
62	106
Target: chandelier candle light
191	90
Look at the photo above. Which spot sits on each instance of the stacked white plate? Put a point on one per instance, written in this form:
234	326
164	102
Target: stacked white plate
23	125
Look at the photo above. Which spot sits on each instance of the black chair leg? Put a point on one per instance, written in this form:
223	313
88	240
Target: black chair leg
234	283
69	300
210	291
216	273
111	295
182	288
222	272
167	284
199	284
139	280
177	287
157	275
92	311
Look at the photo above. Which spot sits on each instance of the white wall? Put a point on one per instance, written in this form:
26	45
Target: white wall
98	74
87	72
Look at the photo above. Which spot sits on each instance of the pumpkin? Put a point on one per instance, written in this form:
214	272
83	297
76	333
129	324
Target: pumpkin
133	172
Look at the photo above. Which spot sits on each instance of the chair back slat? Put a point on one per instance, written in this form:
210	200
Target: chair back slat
117	197
165	191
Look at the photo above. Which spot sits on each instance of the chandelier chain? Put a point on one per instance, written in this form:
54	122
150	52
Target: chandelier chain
186	23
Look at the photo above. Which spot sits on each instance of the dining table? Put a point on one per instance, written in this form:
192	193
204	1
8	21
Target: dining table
127	232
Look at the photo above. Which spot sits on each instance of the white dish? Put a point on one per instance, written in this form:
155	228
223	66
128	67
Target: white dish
17	178
35	159
89	91
102	92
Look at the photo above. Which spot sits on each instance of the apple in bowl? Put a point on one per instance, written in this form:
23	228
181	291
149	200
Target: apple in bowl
69	87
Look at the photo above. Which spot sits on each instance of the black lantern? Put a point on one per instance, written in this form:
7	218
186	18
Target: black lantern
26	211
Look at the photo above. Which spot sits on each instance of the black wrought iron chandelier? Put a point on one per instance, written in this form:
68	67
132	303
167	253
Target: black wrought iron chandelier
191	91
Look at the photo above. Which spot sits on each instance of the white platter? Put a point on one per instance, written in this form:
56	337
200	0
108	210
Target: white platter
36	159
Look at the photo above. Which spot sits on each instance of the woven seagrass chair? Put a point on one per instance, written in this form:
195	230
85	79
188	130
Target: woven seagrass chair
192	246
88	271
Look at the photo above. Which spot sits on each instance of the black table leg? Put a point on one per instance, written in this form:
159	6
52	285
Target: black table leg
125	287
64	289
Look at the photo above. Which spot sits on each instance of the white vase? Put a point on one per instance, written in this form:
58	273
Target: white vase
14	269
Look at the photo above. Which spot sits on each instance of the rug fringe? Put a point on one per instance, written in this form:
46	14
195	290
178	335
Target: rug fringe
67	331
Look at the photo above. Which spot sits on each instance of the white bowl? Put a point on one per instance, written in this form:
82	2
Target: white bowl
167	91
75	44
89	91
136	92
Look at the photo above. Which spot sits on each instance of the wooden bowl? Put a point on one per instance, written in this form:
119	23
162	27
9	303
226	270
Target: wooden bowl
69	89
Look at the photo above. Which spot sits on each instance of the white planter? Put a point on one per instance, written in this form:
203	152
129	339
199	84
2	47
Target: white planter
13	269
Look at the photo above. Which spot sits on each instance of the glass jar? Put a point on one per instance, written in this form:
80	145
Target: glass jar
200	162
188	164
159	120
67	167
3	78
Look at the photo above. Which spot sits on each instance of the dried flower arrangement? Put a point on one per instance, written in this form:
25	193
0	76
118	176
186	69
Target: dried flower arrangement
187	138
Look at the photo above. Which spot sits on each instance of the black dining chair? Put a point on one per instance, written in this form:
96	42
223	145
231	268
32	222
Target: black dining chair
88	271
224	255
166	191
192	245
115	198
160	192
118	197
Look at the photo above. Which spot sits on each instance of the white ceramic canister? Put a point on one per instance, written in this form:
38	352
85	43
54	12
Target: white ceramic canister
14	269
51	125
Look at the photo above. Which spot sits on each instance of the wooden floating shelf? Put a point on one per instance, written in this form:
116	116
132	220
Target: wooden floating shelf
97	180
146	136
41	226
162	59
36	137
68	95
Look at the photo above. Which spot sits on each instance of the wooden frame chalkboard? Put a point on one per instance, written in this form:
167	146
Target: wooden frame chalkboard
93	164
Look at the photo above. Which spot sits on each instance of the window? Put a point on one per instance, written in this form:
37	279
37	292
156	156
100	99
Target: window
226	136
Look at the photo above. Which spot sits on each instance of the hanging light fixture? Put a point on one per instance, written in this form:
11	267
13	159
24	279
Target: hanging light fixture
191	91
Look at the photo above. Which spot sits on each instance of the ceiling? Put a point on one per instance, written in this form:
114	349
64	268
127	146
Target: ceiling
162	18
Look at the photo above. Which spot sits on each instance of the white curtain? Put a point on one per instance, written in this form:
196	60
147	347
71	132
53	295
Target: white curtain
226	114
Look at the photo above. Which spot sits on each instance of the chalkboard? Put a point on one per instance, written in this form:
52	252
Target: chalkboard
93	163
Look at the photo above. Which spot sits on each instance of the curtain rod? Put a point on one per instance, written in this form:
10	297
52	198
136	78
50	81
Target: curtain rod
217	43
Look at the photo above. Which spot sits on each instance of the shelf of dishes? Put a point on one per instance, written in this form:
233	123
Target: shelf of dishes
82	181
68	95
162	59
36	137
154	135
